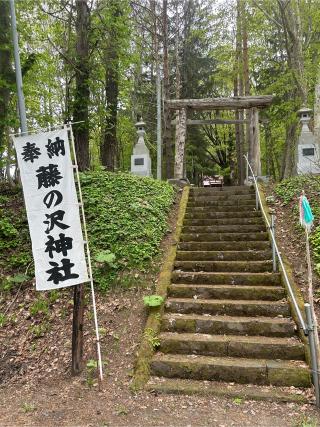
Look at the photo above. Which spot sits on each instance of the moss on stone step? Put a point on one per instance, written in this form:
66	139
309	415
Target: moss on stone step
232	292
248	279
234	325
228	307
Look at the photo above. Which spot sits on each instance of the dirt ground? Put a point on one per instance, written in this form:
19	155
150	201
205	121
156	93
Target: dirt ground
36	388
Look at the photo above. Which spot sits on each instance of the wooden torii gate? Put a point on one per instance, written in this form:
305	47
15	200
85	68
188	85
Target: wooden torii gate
250	103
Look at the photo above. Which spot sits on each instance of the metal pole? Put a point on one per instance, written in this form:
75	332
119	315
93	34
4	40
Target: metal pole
272	229
247	170
22	108
314	363
88	258
159	148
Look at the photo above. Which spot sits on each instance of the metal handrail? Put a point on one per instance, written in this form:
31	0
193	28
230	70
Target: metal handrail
292	296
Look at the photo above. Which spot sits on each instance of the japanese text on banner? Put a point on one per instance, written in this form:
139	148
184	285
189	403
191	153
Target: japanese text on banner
52	209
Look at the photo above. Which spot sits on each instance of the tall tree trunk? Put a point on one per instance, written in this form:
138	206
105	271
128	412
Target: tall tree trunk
237	89
109	147
166	140
246	80
82	73
290	17
288	164
317	109
6	73
180	132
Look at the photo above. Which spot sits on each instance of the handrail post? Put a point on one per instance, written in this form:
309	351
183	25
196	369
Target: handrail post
272	230
257	199
247	170
313	353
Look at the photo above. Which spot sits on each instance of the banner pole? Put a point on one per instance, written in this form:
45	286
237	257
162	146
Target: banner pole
69	127
21	102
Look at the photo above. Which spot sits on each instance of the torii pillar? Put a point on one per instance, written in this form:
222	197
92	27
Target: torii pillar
254	141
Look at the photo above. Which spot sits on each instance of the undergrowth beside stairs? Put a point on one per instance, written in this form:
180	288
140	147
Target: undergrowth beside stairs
289	191
126	219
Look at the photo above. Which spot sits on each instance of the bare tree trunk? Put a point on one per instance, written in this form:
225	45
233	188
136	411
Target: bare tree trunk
238	114
317	109
179	114
6	73
109	149
290	17
290	144
166	140
245	65
180	143
81	99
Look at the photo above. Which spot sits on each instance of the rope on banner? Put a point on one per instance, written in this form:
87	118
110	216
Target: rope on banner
69	127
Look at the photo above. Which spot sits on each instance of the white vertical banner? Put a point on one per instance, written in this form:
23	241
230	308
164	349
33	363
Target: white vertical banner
52	209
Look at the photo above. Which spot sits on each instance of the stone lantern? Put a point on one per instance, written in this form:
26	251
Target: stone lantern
308	153
140	159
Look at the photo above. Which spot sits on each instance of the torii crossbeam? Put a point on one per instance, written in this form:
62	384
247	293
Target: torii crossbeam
250	103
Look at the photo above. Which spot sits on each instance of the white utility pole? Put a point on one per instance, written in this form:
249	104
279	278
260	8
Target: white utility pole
21	103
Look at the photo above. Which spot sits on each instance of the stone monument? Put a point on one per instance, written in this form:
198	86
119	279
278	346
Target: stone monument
308	153
140	159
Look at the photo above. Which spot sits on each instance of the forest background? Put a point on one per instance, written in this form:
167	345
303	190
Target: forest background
97	61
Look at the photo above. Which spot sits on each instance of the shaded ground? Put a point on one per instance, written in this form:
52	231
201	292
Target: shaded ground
36	387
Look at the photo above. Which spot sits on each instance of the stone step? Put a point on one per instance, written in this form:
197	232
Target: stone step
228	307
234	203
248	207
223	221
215	237
241	370
233	325
224	255
257	347
238	228
228	190
249	279
266	293
225	266
225	246
214	214
229	390
220	196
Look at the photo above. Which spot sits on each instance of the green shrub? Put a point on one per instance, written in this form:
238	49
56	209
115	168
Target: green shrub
127	218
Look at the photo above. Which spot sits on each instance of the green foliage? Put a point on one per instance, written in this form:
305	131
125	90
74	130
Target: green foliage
291	188
306	421
15	247
40	306
19	278
289	191
28	407
121	410
152	337
126	218
3	319
153	300
106	257
7	283
39	330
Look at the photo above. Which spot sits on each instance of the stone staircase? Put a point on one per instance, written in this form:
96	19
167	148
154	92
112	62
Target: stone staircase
226	317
